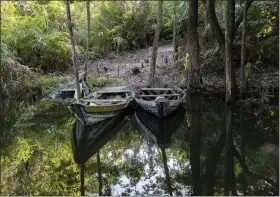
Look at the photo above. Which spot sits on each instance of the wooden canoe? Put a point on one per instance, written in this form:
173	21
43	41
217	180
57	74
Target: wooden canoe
68	91
160	98
87	140
103	104
160	129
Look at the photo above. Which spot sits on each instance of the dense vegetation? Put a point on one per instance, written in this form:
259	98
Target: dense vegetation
35	39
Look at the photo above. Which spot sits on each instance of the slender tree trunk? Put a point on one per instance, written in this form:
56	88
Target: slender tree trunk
240	18
243	50
214	23
100	185
175	42
166	170
82	178
156	40
193	46
73	48
229	28
218	33
88	36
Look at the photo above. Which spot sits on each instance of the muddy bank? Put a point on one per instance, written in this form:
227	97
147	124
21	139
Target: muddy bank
133	67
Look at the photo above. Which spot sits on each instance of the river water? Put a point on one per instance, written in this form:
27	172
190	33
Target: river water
205	148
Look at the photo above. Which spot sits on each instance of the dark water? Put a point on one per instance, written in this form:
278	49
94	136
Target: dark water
209	149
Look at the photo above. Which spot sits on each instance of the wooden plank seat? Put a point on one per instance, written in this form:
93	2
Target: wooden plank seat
157	89
104	100
156	95
113	91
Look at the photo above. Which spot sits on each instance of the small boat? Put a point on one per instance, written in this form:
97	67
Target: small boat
103	104
159	98
87	140
160	129
68	91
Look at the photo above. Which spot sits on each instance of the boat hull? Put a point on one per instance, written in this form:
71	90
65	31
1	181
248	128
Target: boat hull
89	118
161	106
91	110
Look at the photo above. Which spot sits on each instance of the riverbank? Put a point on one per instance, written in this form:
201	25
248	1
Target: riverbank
133	68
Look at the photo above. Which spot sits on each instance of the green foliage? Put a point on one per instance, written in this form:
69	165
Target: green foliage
49	83
15	78
36	32
30	31
262	36
99	81
261	40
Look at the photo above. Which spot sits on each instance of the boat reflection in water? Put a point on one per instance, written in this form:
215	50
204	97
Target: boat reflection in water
161	130
87	140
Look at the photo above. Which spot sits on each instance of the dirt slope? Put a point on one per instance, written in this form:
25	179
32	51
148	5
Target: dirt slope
132	60
128	61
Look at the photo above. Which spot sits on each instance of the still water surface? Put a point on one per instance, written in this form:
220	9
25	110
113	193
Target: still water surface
209	149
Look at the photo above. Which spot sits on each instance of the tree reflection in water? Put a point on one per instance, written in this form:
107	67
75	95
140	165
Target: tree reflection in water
195	135
198	156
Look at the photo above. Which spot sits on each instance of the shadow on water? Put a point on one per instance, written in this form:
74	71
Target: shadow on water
206	148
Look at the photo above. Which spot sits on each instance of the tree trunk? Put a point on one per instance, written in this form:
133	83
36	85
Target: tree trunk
193	46
214	23
240	18
217	31
174	42
156	40
229	28
88	37
73	48
243	50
